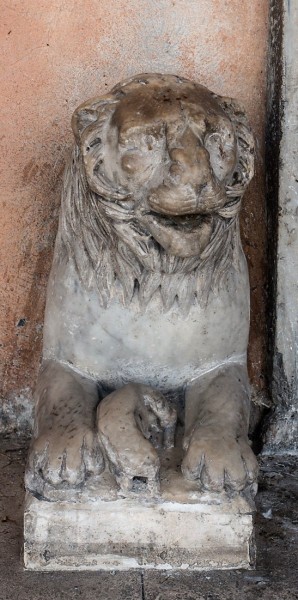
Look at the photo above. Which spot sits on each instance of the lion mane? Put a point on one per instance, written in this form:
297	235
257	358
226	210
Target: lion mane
111	250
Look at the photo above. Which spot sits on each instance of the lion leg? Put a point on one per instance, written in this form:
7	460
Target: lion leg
64	449
217	449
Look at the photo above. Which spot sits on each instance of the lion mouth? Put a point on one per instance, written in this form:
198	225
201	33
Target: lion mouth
183	235
190	222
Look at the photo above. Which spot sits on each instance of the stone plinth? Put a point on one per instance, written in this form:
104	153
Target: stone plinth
91	532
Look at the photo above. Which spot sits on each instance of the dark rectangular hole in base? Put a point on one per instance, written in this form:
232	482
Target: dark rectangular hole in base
139	483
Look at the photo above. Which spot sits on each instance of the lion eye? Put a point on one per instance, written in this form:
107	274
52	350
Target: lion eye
222	155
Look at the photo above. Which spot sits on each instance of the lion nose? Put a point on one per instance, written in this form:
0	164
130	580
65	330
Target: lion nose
191	187
190	165
190	161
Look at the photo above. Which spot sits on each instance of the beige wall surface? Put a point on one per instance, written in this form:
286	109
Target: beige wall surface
57	53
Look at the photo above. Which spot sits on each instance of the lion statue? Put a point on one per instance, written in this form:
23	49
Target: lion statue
148	294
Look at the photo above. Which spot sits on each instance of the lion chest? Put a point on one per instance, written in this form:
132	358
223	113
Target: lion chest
120	344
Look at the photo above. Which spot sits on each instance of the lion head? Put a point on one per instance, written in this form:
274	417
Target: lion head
152	195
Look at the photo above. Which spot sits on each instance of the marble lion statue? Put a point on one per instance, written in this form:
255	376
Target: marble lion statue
148	293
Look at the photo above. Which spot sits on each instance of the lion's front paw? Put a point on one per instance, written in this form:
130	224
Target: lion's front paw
219	461
63	460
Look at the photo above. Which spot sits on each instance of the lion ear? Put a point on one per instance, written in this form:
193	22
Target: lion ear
82	118
88	124
88	113
244	171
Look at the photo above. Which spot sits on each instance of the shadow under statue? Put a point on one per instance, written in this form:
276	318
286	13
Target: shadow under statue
140	454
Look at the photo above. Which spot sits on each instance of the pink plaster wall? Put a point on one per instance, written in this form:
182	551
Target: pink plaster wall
57	53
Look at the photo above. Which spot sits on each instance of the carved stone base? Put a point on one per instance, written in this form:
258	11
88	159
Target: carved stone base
122	534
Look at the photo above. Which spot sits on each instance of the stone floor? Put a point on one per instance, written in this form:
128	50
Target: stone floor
276	576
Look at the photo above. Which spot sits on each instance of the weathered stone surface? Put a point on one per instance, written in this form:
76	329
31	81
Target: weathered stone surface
131	534
282	434
145	338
